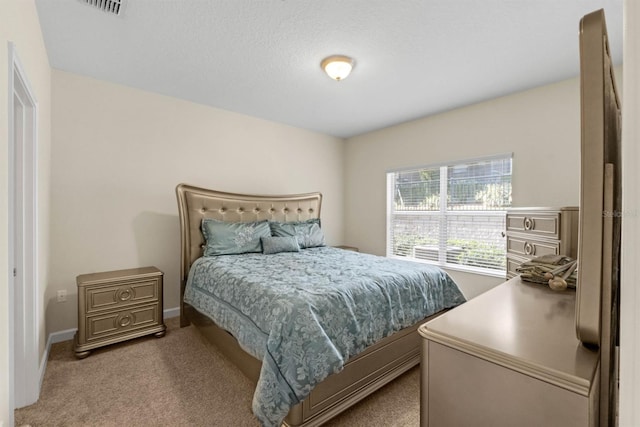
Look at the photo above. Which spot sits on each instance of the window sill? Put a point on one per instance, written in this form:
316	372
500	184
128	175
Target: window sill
501	274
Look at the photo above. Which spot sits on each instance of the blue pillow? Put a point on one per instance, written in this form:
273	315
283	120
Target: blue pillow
229	238
276	244
308	233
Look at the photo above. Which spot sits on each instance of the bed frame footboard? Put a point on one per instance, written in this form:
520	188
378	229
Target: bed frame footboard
361	376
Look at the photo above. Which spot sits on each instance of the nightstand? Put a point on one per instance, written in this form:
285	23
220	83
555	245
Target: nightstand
115	306
347	248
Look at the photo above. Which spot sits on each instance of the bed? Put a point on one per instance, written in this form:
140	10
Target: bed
301	381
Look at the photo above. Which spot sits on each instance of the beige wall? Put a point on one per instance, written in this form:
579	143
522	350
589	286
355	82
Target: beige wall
118	154
19	24
541	127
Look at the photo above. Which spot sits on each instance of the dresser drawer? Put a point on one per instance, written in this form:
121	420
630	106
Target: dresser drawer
120	295
543	225
531	248
119	323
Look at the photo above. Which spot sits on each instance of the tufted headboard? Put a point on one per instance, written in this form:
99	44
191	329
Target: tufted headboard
195	203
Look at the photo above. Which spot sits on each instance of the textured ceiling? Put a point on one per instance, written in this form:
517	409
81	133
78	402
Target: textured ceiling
262	57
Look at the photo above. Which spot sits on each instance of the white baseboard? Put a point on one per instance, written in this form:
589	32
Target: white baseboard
54	338
66	335
171	312
60	336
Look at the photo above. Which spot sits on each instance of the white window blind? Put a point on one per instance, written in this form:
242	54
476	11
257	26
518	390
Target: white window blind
452	215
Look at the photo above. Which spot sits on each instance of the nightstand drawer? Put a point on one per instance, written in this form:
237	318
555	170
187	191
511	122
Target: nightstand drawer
530	247
103	326
543	225
120	295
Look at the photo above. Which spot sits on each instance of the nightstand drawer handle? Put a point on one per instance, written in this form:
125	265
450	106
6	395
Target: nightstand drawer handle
124	294
529	249
124	320
528	224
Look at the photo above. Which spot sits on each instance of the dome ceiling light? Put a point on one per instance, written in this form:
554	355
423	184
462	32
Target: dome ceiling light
338	67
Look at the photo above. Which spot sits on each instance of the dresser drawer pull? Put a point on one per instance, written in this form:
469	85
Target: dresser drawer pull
123	320
125	294
528	223
529	249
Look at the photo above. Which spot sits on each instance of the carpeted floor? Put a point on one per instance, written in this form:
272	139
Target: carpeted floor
178	380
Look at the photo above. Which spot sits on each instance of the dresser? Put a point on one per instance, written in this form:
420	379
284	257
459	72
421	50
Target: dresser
533	232
115	306
509	357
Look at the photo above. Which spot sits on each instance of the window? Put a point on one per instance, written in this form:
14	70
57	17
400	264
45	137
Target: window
452	215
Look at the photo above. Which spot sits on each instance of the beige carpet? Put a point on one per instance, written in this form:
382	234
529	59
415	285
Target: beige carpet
178	380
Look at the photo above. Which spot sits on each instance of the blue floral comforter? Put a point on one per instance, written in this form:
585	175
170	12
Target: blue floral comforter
304	314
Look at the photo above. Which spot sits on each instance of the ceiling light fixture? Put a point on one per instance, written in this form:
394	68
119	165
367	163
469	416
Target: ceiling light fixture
337	67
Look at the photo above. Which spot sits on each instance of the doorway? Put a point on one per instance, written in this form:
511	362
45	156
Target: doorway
24	370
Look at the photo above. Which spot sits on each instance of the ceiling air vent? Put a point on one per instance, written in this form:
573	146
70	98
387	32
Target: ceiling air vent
109	6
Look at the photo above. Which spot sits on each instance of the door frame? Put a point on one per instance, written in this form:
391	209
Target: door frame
629	373
24	316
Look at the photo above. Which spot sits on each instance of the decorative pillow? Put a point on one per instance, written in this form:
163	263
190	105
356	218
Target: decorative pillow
308	233
228	238
276	244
